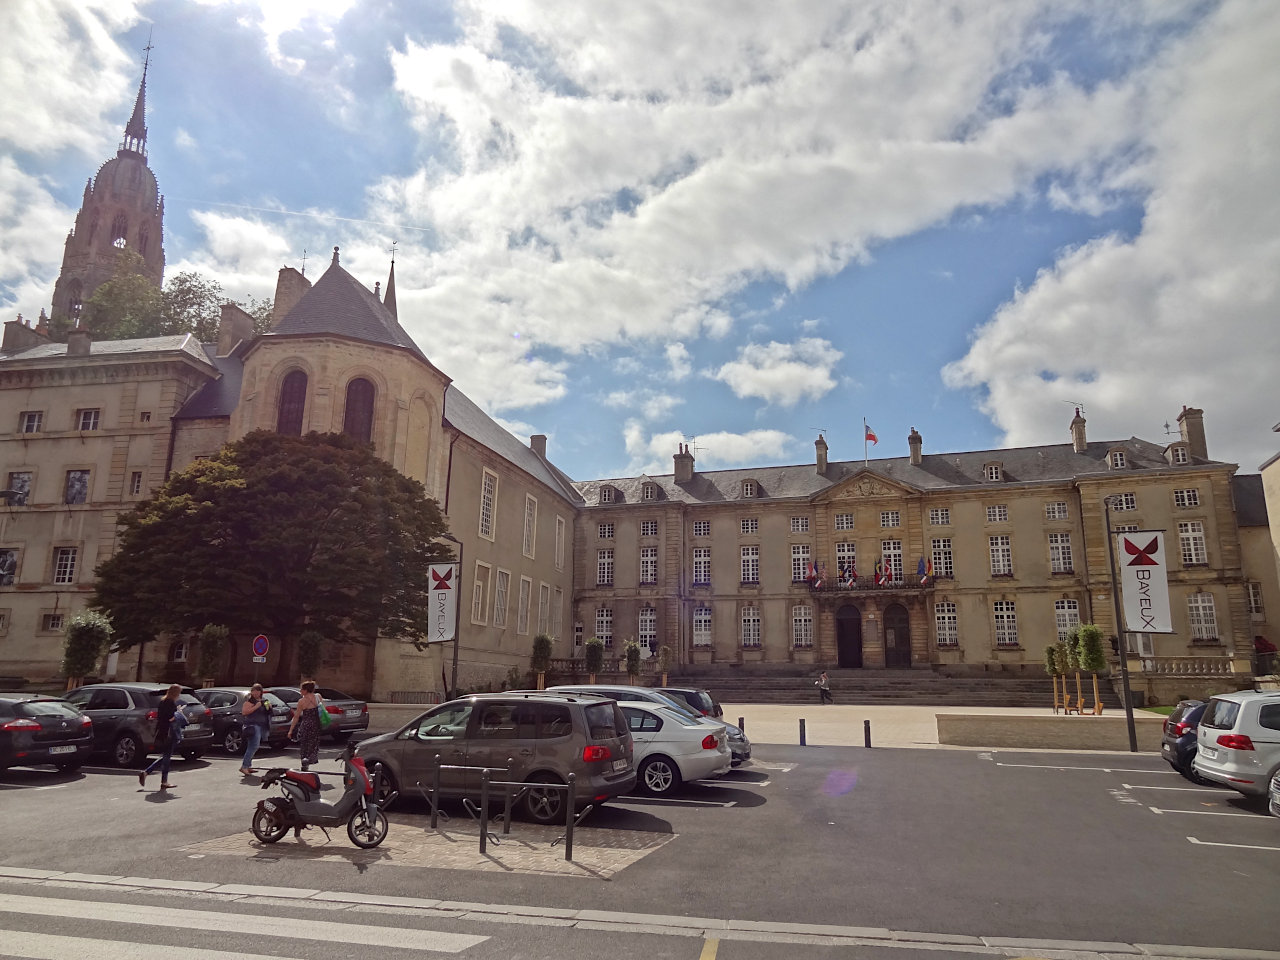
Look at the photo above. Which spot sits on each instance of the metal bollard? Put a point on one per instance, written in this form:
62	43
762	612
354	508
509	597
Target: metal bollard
570	817
866	733
435	794
506	809
742	724
484	810
802	742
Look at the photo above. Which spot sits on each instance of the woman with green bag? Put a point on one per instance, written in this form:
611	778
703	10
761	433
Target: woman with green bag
309	717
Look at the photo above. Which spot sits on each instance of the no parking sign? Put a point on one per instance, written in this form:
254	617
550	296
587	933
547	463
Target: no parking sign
260	647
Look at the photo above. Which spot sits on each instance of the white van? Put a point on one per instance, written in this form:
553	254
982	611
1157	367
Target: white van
1239	741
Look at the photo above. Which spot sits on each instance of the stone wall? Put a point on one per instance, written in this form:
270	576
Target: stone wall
1107	732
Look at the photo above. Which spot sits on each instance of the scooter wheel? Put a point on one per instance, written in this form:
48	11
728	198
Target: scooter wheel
266	826
367	831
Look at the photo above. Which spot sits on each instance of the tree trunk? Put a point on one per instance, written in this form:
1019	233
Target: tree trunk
1054	681
593	678
1079	695
1097	700
542	680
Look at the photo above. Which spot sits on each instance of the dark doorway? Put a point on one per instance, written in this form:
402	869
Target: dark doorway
897	637
849	636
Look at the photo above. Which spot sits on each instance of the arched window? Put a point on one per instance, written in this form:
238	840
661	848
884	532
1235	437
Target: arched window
144	238
119	230
358	422
293	400
93	229
75	299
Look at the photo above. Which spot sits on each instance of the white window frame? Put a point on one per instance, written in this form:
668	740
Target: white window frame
702	566
702	626
135	483
648	528
52	622
802	627
1005	618
1180	455
748	489
530	525
544	608
998	513
64	564
522	606
488	505
702	528
1254	590
89	419
648	565
799	524
1056	510
750	563
604	625
604	567
1123	502
946	623
649	491
1066	616
1183	499
647	628
1191	541
750	626
749	525
604	531
943	562
844	521
480	578
606	494
891	553
890	518
501	590
31	421
940	516
1001	549
557	611
560	538
846	556
1060	560
800	556
1202	617
1117	459
993	472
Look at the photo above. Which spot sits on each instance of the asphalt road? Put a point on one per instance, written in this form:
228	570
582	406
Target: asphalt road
891	852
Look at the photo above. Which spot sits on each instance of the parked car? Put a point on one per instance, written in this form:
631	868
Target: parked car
672	747
1180	739
1273	796
349	713
544	736
696	697
225	705
739	745
1239	740
37	729
124	720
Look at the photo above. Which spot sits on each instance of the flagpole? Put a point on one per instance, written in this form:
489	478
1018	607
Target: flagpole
866	460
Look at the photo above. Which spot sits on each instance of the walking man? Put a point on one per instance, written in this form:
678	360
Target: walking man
824	688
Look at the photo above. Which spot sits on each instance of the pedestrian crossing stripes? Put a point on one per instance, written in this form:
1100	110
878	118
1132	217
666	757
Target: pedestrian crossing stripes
48	946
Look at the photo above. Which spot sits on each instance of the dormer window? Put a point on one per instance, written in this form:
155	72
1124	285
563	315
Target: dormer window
1117	459
1178	454
649	491
606	494
994	472
748	488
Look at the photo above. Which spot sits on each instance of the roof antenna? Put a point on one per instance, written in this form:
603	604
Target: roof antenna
1077	404
304	261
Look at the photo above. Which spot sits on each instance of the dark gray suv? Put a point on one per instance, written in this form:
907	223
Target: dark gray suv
544	737
124	720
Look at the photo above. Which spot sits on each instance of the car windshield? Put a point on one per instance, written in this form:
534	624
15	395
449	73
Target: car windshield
331	694
1220	714
46	708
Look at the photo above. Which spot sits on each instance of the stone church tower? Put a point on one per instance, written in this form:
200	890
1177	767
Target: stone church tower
122	210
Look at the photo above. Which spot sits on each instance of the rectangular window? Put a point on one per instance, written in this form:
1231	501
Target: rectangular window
1255	600
947	623
844	521
1202	616
891	552
557	611
544	608
702	626
88	419
8	566
1126	528
998	513
702	528
135	483
890	518
604	531
501	587
604	625
748	488
64	565
1117	459
751	625
939	516
144	416
846	558
20	485
1186	498
941	553
488	499
480	593
799	562
30	421
1055	510
702	565
802	627
77	489
751	564
1066	615
606	494
530	524
51	623
1001	556
1191	539
604	567
1124	501
993	472
560	527
1060	553
522	605
648	564
650	492
799	524
1006	621
648	528
1180	455
647	629
750	525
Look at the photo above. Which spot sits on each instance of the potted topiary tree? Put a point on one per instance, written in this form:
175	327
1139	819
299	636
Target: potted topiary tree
1063	659
633	661
540	658
595	657
664	661
1051	668
1073	664
1093	658
87	635
213	641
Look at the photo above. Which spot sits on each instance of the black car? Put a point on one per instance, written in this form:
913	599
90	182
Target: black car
124	720
36	730
349	714
696	697
1178	743
225	708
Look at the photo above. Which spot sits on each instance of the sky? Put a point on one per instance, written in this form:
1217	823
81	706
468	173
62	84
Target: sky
734	224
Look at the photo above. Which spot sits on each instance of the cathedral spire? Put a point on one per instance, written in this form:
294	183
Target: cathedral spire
389	298
135	131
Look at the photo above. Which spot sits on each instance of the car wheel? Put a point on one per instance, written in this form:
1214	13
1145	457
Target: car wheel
387	785
660	776
128	751
1190	773
233	740
543	804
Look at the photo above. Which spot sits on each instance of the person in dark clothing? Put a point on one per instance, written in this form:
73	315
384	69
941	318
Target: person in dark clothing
824	688
306	720
257	722
168	733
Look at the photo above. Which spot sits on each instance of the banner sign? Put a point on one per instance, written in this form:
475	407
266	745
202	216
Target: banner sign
1144	582
442	610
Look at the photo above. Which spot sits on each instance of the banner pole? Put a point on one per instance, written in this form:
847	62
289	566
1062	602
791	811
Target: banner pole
1120	632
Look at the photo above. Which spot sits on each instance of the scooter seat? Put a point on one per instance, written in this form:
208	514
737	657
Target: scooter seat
306	779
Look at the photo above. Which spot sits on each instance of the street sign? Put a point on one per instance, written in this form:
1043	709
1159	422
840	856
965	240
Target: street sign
1144	582
442	609
260	646
259	659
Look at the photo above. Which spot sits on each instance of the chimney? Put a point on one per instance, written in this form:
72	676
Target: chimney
1191	424
820	449
1078	442
683	464
18	336
290	288
538	444
78	341
234	325
916	443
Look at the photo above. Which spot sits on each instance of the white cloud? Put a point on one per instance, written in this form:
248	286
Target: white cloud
679	361
642	404
185	140
1185	312
275	19
652	453
34	223
782	373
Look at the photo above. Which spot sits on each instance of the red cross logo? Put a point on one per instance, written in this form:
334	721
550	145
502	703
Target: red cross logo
1142	556
442	582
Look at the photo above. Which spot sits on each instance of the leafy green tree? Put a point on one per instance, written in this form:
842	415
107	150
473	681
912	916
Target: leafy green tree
594	657
213	644
1053	670
126	306
88	635
278	535
633	660
190	304
262	311
540	660
1092	657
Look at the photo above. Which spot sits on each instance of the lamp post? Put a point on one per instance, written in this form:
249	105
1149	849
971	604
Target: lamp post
1120	632
457	620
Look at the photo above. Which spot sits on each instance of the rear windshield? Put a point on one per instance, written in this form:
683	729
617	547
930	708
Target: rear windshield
331	694
1220	714
46	708
703	700
1182	710
602	721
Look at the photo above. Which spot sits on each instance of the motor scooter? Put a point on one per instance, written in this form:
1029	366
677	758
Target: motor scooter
301	806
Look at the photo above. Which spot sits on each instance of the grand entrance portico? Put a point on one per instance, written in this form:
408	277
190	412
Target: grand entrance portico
881	628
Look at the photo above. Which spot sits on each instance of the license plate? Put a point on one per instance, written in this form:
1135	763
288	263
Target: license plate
619	766
1209	752
67	749
195	728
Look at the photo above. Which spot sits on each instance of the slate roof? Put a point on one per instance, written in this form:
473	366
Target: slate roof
218	397
939	471
1251	502
178	342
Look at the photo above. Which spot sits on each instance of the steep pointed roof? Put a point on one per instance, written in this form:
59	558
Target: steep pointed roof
341	305
389	298
135	131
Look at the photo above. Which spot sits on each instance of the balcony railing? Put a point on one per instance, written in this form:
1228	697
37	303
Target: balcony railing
1187	666
869	585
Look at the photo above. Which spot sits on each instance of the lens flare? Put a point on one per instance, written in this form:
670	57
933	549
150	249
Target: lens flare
840	782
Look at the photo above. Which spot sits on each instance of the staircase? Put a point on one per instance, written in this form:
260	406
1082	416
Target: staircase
890	687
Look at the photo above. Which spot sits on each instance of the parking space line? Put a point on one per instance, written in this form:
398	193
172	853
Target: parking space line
1242	846
737	783
1054	766
1143	786
709	948
679	802
1205	813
